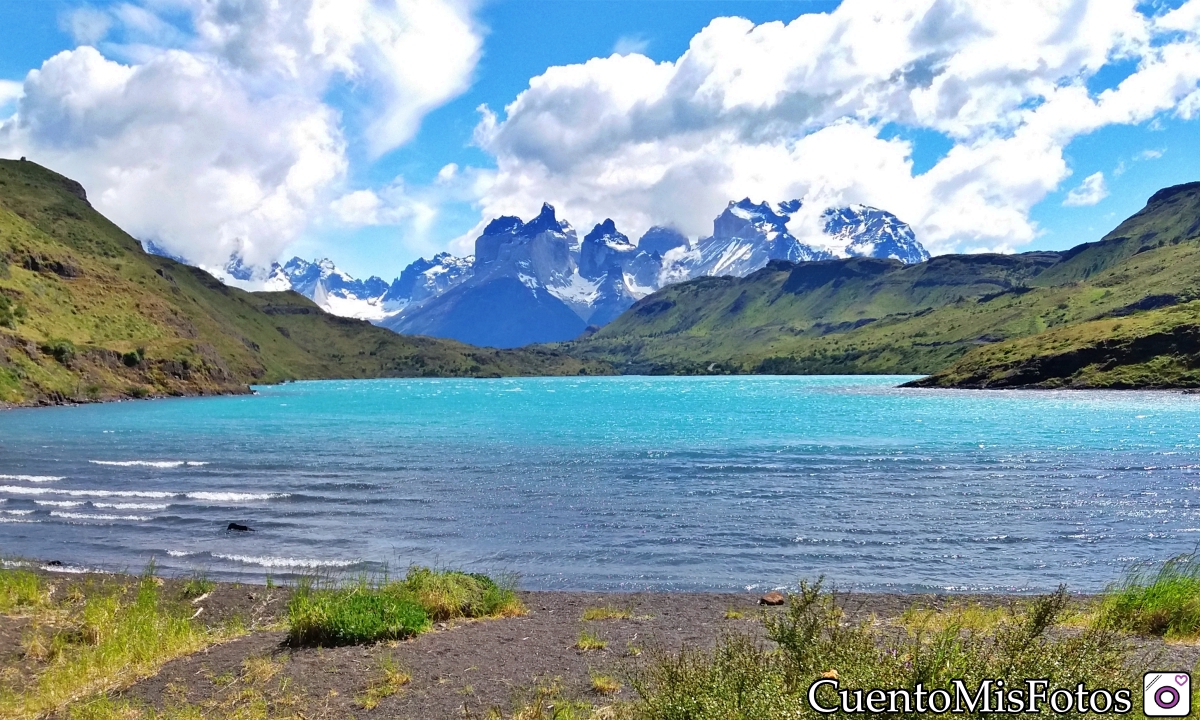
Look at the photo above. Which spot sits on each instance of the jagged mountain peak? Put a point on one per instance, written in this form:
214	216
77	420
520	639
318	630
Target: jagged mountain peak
747	216
867	231
546	221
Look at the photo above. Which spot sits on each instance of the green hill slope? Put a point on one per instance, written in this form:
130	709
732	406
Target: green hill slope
877	316
85	315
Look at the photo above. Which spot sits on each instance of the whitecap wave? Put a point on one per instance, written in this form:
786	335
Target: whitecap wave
6	519
60	503
131	506
17	512
278	562
149	463
72	570
179	553
233	496
95	516
32	478
22	490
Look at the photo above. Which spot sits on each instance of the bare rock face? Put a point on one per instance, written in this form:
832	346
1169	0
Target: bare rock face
772	598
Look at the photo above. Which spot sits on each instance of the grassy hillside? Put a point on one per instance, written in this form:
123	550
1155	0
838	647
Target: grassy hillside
85	315
878	316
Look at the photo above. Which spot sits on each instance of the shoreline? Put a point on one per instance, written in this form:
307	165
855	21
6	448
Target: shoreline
477	666
250	391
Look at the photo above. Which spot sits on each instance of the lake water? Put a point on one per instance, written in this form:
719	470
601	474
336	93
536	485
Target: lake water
616	483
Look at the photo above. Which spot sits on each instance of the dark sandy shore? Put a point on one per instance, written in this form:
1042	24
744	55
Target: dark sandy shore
466	668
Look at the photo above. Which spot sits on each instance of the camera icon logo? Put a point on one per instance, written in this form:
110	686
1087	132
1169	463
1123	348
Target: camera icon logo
1167	694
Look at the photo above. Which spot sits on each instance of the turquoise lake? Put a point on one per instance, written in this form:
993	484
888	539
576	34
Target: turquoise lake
626	483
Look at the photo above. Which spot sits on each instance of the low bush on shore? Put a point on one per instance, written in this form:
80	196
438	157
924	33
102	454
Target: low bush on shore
742	678
366	611
1163	602
449	594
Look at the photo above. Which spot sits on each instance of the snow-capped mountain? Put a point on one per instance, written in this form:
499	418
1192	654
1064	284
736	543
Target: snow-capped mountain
864	231
525	287
536	281
426	279
745	238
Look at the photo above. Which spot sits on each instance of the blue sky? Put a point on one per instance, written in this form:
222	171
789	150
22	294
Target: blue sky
186	133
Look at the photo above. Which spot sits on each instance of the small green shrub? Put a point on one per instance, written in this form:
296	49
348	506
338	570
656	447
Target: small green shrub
61	350
1163	602
352	616
133	358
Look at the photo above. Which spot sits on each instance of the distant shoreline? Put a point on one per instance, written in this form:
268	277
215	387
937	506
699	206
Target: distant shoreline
249	390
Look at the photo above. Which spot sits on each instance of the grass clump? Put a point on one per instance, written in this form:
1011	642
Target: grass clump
743	678
607	612
605	684
368	611
198	585
589	640
1163	602
449	594
359	614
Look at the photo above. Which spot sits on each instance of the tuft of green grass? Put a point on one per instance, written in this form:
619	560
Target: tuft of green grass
196	586
449	594
605	684
607	612
732	614
1163	602
589	640
20	590
359	614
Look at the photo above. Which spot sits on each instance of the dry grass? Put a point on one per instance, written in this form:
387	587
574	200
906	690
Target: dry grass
390	681
966	616
95	640
607	612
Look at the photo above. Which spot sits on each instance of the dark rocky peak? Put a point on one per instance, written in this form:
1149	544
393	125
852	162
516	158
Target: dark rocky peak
789	207
606	232
544	222
505	224
660	239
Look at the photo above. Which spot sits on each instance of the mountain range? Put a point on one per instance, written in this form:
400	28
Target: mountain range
536	281
1120	312
86	314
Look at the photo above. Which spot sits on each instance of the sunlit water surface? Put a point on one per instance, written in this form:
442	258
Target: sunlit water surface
616	483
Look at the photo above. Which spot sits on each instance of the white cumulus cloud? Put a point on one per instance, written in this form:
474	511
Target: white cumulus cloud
1091	191
802	110
219	139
